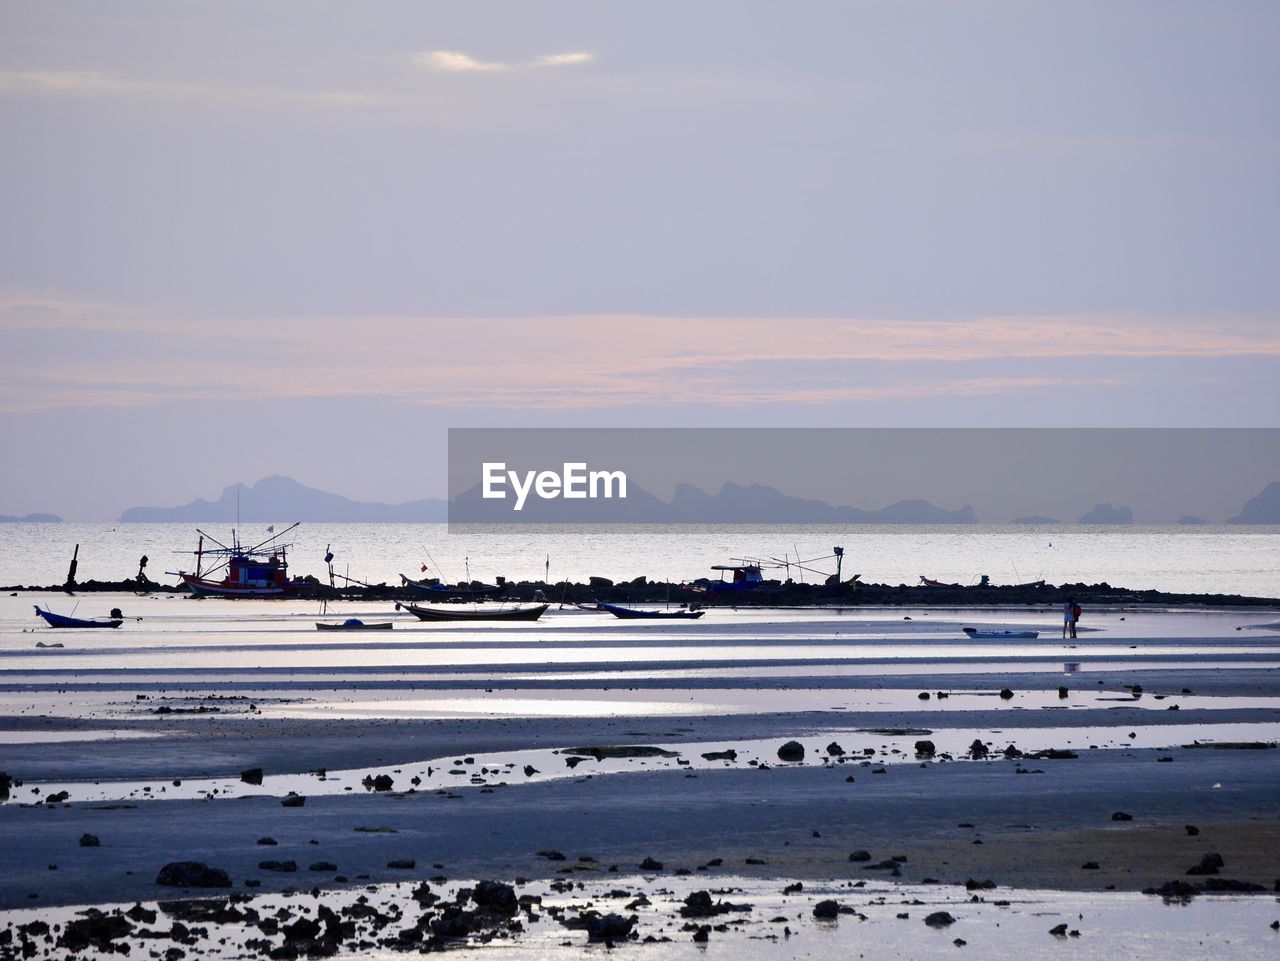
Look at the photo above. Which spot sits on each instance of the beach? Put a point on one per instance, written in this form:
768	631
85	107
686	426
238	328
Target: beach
915	764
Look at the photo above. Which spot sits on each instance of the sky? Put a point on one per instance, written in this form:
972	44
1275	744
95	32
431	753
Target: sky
240	239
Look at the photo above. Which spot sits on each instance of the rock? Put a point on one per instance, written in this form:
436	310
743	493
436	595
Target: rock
939	919
609	927
923	696
860	856
325	866
382	782
292	800
1062	692
791	751
835	750
6	783
530	770
978	750
402	864
494	897
1191	830
1209	864
729	755
1230	885
975	885
267	841
97	931
283	867
192	874
252	776
925	749
90	841
649	864
1121	816
826	910
1012	753
551	854
1006	694
1090	866
1174	891
702	934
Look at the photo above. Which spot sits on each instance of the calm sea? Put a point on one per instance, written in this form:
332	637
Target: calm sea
1209	558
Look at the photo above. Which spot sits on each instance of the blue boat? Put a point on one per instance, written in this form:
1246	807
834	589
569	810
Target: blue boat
1000	635
61	620
630	613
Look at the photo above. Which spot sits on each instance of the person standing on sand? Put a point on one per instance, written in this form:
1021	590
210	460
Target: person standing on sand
1075	616
1069	617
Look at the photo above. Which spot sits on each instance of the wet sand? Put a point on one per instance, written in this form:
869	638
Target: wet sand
1039	819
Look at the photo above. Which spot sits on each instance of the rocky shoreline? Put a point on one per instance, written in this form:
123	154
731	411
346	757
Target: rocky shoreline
641	590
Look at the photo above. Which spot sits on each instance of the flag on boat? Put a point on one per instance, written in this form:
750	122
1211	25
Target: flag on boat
271	529
424	568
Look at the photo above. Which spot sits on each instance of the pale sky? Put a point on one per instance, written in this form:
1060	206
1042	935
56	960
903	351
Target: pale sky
304	238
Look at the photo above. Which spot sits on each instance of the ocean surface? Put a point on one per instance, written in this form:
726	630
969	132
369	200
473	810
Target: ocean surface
1202	559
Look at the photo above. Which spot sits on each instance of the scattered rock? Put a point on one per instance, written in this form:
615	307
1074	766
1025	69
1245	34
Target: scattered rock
1121	816
939	919
283	867
925	749
826	910
650	864
402	864
90	841
252	776
292	800
791	751
729	755
192	874
1006	694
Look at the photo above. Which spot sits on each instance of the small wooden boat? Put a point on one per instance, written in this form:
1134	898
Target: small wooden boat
353	624
258	571
926	582
630	613
450	612
61	620
984	635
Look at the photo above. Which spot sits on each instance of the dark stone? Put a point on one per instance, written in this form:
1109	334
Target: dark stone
551	854
192	874
1090	866
1006	694
285	867
495	897
1121	816
252	776
939	919
292	800
267	841
728	755
382	782
530	770
926	749
402	864
649	864
326	866
1058	930
978	750
835	750
1192	830
860	856
975	885
95	931
90	841
791	751
826	910
608	927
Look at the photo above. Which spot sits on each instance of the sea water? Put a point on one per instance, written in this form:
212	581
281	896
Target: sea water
1214	559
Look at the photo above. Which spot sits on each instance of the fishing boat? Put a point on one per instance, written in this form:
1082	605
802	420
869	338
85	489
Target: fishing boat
61	620
926	582
258	571
986	635
450	612
353	624
433	586
630	613
747	576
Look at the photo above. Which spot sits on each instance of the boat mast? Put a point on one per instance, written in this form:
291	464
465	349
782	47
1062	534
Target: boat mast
199	554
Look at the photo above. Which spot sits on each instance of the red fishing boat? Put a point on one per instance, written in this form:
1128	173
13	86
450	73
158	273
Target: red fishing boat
258	571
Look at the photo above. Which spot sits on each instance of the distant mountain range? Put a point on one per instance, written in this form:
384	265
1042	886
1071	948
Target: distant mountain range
31	519
279	498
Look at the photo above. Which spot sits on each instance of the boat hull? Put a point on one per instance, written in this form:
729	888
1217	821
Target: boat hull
59	620
631	614
441	613
1001	635
448	591
381	626
206	588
